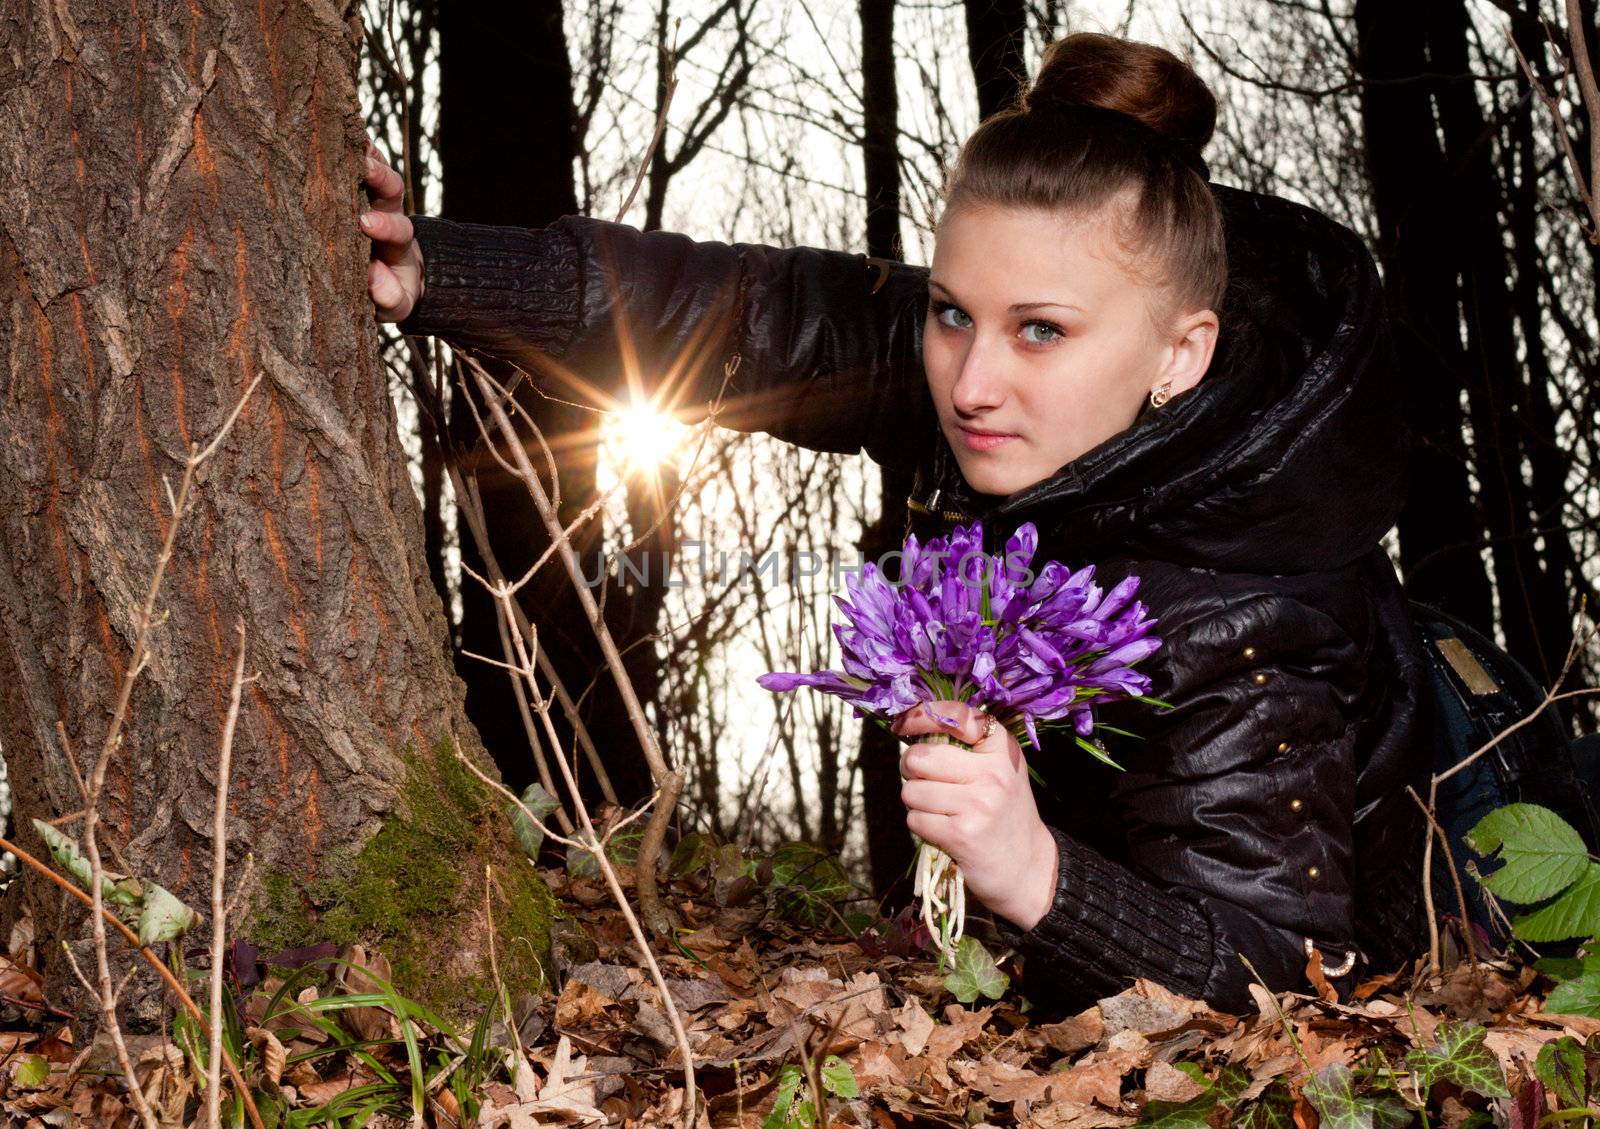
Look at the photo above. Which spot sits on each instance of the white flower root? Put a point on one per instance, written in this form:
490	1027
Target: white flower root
943	892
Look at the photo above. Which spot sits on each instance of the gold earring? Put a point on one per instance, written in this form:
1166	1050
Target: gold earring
1159	396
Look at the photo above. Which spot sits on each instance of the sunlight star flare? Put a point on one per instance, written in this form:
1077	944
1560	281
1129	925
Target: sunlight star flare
961	625
640	438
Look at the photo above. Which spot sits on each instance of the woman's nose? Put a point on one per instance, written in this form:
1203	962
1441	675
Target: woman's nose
980	384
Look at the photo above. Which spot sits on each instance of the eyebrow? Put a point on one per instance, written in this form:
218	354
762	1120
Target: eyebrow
1016	307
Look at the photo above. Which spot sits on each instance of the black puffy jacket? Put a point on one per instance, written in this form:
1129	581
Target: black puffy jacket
1268	808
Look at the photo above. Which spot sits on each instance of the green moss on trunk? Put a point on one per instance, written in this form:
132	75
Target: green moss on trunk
415	891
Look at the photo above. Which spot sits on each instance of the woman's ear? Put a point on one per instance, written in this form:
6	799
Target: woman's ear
1193	342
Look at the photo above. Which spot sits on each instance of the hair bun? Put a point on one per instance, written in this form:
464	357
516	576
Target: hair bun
1140	80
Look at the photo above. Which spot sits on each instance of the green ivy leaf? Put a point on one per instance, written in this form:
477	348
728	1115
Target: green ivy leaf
694	851
1543	853
1192	1114
1460	1057
1563	1070
163	917
838	1079
541	803
1273	1110
1332	1093
622	849
807	882
1576	997
975	973
1198	1111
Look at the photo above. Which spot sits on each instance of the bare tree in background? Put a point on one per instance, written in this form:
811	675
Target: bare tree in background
1412	123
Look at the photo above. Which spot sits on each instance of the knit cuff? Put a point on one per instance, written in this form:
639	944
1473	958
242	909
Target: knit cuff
1109	925
506	290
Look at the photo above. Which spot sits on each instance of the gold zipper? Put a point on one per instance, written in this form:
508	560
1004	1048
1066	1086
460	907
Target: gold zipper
947	515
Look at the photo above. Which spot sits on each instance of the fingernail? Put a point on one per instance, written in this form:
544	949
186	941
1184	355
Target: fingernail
367	221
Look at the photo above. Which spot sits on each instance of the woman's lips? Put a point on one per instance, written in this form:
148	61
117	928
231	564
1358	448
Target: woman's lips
977	440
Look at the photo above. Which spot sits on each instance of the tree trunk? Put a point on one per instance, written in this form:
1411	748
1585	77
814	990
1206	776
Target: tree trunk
1534	611
1439	528
178	198
888	842
514	69
996	33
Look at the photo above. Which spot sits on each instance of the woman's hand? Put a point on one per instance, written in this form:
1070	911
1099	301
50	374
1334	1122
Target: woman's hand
978	808
394	274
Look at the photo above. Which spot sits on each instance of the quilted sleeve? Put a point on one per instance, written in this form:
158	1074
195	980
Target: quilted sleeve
1238	810
819	348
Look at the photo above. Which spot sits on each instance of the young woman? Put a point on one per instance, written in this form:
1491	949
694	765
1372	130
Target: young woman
1170	378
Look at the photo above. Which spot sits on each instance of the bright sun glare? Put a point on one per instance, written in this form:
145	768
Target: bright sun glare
639	438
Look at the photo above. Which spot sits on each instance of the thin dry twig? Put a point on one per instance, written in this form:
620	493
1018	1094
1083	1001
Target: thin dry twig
152	960
649	895
1580	52
105	990
1580	640
219	866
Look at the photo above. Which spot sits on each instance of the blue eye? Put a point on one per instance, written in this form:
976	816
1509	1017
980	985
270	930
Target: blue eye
951	316
1051	333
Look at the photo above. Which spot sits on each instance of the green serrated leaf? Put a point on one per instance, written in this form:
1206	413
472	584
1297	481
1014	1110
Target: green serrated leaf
1563	1070
163	917
1575	913
975	973
1576	997
1543	853
1560	968
1460	1057
838	1079
32	1072
783	1103
541	803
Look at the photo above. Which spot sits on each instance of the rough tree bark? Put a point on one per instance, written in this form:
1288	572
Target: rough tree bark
178	193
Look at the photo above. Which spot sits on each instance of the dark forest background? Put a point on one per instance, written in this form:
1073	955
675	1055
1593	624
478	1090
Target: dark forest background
828	124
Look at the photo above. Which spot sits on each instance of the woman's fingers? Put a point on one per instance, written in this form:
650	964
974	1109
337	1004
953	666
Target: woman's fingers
928	718
385	184
391	234
934	797
387	293
947	763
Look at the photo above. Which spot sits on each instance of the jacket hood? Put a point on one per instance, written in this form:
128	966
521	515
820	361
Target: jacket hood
1288	456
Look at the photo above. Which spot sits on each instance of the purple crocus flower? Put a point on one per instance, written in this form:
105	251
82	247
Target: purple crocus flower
1028	648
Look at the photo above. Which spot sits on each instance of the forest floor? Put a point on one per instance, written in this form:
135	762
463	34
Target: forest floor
795	1023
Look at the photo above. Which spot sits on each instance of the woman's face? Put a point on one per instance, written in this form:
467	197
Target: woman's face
1040	344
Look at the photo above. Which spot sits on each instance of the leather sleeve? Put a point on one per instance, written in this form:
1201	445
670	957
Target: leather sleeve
1221	859
824	347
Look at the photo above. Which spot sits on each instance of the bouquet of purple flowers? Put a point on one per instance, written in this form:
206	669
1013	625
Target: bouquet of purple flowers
1033	651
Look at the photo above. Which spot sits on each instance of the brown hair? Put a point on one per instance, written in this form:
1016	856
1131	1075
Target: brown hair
1107	116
